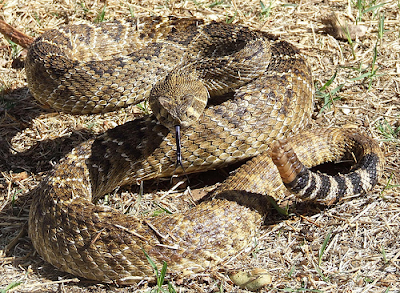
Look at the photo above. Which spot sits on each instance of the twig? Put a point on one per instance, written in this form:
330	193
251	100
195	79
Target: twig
309	220
14	241
15	35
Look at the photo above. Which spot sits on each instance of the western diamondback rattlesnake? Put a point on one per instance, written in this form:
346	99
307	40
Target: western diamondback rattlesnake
97	68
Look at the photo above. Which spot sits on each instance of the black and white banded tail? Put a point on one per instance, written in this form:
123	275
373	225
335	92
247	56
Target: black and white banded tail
328	189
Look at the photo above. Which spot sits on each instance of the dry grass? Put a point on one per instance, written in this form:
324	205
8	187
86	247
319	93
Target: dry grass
363	252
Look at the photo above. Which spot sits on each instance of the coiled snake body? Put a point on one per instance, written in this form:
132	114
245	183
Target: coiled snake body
260	90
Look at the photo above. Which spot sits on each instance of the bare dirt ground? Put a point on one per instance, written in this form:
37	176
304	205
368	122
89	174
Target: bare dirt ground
363	249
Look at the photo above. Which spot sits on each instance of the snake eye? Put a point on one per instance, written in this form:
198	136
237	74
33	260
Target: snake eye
165	103
186	102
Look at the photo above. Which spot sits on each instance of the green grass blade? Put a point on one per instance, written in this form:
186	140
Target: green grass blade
323	247
10	286
365	75
381	26
230	19
328	83
151	262
318	269
171	288
101	15
161	277
216	3
131	11
277	207
374	7
383	251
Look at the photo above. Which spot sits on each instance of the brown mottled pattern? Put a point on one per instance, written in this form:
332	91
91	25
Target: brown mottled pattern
83	72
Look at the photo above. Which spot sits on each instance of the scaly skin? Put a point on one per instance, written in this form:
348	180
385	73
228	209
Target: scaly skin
273	102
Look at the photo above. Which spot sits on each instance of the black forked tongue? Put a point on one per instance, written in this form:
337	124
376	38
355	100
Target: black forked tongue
178	150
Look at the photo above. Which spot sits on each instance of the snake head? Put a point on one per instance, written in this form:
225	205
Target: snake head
179	99
181	112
